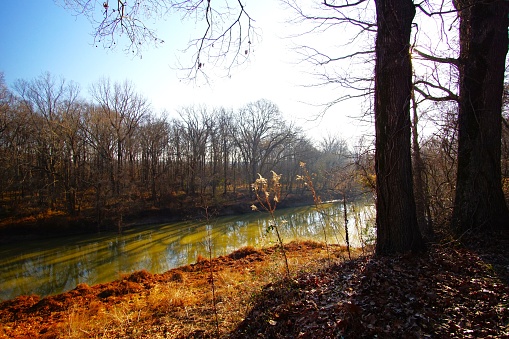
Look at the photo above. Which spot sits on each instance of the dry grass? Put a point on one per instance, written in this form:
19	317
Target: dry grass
177	304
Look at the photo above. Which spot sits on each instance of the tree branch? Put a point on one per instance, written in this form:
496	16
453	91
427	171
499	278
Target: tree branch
432	13
454	61
343	6
227	37
449	97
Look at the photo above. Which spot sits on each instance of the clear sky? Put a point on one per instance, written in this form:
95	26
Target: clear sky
39	36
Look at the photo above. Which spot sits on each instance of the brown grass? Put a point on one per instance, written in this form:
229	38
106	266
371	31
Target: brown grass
176	304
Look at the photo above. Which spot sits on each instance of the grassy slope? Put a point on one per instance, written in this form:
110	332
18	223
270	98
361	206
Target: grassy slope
450	291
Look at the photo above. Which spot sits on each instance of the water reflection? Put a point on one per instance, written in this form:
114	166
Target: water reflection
55	265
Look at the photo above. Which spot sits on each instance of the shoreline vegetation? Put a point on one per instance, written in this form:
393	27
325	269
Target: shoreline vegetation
57	224
454	290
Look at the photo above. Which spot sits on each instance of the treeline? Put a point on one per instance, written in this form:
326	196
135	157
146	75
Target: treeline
112	155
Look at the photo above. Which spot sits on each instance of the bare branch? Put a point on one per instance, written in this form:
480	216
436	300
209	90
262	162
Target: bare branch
433	13
449	97
344	5
339	17
333	62
316	57
227	37
453	61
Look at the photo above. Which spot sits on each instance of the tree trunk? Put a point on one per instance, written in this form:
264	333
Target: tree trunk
397	229
225	167
479	201
420	189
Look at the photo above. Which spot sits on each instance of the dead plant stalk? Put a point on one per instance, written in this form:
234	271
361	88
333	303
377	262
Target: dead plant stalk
268	197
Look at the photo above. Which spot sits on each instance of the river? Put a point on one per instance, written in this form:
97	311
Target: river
51	266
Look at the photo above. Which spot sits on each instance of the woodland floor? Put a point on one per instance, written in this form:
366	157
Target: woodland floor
454	290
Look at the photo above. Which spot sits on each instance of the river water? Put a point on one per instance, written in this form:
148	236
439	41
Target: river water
52	266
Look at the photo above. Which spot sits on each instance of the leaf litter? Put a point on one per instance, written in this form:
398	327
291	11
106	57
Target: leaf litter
451	291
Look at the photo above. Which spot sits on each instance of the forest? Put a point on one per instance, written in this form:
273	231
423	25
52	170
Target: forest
74	161
439	267
108	156
89	163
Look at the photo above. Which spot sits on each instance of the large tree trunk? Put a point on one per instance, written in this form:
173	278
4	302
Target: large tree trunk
479	201
397	229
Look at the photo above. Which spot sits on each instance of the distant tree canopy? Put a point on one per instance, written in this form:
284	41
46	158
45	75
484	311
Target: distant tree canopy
112	155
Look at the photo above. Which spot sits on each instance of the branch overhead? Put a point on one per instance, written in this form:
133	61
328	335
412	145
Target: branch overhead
227	37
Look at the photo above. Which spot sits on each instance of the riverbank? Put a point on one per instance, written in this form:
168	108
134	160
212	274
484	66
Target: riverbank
58	224
175	304
453	290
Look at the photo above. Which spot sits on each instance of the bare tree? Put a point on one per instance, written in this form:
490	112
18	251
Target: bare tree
422	204
14	132
225	126
49	101
196	122
154	136
334	156
124	110
391	22
477	47
397	228
5	98
439	153
473	80
228	31
72	134
260	133
101	143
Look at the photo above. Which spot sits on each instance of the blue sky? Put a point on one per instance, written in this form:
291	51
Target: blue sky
44	37
40	36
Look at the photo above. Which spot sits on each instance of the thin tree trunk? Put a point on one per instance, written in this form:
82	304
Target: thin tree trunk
397	229
225	169
421	195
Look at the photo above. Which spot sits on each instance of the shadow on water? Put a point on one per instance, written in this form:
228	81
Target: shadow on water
50	266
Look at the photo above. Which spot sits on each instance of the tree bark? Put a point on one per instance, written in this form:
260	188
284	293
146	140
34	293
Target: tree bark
397	228
479	201
420	188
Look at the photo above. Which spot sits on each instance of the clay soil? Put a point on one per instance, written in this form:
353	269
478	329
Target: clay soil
454	290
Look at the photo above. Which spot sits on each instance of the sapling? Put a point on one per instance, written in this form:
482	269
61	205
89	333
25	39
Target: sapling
306	177
345	214
208	244
209	247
